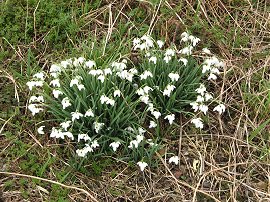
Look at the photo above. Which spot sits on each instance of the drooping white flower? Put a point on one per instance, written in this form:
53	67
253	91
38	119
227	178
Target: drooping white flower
174	159
141	131
36	99
119	66
203	108
65	125
197	122
101	78
174	76
167	58
56	133
142	165
170	118
74	81
195	106
148	42
39	75
187	50
200	98
34	109
65	103
212	76
31	84
55	83
90	64
117	93
201	89
110	102
160	43
81	87
220	108
152	124
107	71
206	68
115	145
84	137
66	63
40	130
168	90
156	114
133	143
76	115
146	74
98	126
68	134
55	68
94	144
184	36
170	52
206	51
195	41
56	93
144	98
208	96
88	113
153	59
184	60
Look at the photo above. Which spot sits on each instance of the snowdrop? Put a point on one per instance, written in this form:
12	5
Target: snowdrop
76	115
94	144
36	99
116	93
220	108
187	50
88	113
167	58
56	133
76	81
201	89
184	36
90	64
107	71
141	132
133	144
81	87
160	43
56	93
98	126
34	109
84	137
65	125
206	51
168	90
174	76
40	130
197	122
156	114
208	96
32	84
39	75
55	83
142	165
184	60
101	78
174	159
153	59
146	74
119	66
68	134
203	108
55	68
66	63
65	103
170	118
115	145
152	124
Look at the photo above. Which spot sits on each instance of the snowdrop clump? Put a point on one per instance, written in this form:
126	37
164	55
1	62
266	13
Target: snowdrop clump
116	107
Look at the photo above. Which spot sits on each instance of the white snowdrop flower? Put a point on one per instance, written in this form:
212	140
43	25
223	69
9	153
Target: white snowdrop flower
208	97
142	165
184	60
40	130
203	108
93	72
170	52
81	87
110	102
146	74
119	66
94	144
65	103
206	68
74	82
98	126
56	133
215	70
65	64
84	137
68	134
81	152
167	58
195	41
139	138
133	144
156	114
184	36
90	64
81	60
152	124
186	51
31	84
130	129
174	76
117	93
56	93
107	71
197	122
220	108
34	109
101	78
124	61
55	83
200	98
55	74
153	59
125	75
174	159
201	89
195	106
65	125
170	118
140	91
212	76
39	75
146	89
144	99
133	71
115	145
103	99
36	99
136	41
148	41
141	131
76	115
168	90
88	113
150	107
206	51
147	54
55	68
160	43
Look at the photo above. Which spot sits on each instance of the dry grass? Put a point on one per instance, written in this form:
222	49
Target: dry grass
219	165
